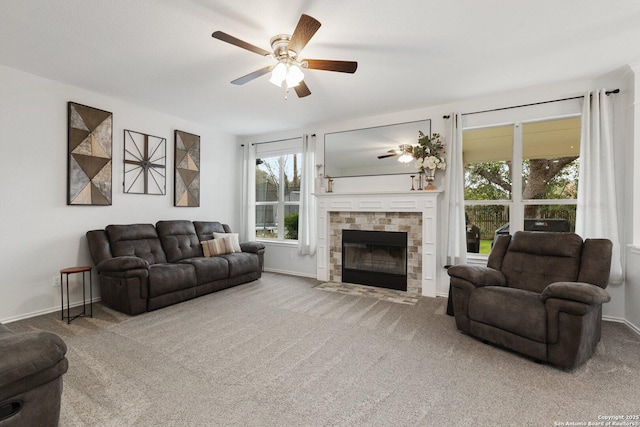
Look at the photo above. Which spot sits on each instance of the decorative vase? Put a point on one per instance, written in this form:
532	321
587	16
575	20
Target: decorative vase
429	176
329	184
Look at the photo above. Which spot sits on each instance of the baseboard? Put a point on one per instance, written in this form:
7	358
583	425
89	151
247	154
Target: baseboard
45	311
290	273
631	326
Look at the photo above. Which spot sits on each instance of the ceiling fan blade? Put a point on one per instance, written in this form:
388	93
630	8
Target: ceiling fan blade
240	43
387	155
328	65
244	79
302	90
306	28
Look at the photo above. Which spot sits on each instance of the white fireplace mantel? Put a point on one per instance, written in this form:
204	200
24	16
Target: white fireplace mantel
425	202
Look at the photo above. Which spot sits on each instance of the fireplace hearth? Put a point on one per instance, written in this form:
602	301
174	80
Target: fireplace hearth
375	258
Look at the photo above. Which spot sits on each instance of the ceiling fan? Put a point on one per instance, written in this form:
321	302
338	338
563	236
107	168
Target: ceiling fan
287	71
404	151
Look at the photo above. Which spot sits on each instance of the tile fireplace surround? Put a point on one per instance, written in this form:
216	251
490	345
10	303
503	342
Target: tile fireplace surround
414	212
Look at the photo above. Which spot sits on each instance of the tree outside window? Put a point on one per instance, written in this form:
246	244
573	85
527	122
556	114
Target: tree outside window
540	158
278	196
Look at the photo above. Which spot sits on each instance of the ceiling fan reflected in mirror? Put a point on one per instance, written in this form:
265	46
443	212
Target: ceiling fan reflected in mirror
403	151
288	72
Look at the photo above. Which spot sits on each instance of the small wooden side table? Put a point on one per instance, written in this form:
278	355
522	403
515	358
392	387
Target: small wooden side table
67	272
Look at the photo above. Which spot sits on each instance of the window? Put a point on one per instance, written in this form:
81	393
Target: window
278	196
520	176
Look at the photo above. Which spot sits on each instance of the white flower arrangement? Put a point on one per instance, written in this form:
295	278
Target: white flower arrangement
429	153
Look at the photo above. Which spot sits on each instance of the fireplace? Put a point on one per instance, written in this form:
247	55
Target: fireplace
412	212
375	258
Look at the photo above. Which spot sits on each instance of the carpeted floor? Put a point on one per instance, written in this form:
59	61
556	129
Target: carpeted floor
277	352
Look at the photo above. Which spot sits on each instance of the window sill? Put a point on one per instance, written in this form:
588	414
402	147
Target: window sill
283	243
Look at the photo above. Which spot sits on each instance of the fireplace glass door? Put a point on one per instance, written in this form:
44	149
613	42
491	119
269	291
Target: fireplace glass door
375	258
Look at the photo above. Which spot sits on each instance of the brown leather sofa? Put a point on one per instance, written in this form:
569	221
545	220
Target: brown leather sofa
142	267
31	369
541	294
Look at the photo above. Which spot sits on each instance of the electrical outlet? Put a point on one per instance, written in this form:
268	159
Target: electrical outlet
56	281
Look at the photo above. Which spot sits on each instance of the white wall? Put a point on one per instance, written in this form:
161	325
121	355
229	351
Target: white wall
284	258
632	294
616	308
39	233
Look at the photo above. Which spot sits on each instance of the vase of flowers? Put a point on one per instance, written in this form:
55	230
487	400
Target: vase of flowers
430	156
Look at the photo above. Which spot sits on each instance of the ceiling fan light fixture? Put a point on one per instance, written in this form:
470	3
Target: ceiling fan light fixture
406	155
279	74
405	158
294	75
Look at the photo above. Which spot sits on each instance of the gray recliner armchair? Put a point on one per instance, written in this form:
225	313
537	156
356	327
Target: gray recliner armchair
31	369
541	294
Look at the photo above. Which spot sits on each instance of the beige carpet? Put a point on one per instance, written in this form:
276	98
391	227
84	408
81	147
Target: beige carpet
277	352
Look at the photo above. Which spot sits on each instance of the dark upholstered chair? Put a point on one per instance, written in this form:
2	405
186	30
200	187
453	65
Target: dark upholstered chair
31	368
541	295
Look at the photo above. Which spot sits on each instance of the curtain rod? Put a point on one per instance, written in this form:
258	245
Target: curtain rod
279	140
609	92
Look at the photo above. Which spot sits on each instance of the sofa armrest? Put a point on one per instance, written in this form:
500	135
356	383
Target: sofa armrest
576	291
478	275
253	247
122	263
28	360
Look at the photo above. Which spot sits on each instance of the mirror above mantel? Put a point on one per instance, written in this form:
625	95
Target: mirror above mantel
371	151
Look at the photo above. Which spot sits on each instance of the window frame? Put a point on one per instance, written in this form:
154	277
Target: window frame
516	205
281	203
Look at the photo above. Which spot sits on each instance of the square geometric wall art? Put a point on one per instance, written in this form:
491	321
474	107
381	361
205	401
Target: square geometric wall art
145	159
90	149
187	173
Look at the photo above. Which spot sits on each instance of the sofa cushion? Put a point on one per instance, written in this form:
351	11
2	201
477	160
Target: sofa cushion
166	278
205	229
231	238
534	260
595	262
139	240
241	263
215	247
209	269
517	311
179	240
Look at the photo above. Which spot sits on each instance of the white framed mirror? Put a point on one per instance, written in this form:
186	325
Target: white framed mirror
371	151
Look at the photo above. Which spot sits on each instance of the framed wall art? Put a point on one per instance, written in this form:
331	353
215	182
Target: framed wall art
145	160
187	173
89	143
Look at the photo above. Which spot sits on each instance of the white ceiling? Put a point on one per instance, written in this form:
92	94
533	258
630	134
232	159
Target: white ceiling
410	53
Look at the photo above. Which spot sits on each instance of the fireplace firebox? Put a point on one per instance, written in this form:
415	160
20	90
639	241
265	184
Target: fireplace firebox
375	258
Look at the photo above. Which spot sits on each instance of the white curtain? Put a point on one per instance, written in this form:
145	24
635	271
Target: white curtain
454	219
596	213
248	232
307	217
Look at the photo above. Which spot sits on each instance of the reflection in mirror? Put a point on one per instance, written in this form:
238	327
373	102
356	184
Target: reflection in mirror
371	151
